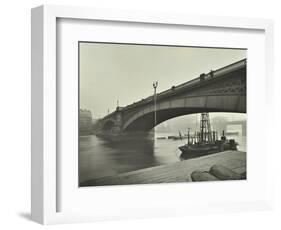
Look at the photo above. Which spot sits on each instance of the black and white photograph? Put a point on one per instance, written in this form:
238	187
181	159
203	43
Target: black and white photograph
139	115
161	114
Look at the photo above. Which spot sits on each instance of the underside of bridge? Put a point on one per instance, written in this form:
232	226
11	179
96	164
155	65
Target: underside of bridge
146	122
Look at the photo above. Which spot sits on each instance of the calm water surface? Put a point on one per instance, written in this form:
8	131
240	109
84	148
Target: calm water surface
99	157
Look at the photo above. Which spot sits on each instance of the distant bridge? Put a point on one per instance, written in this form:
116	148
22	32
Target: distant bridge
222	90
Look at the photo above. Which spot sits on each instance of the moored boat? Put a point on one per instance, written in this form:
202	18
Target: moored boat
206	141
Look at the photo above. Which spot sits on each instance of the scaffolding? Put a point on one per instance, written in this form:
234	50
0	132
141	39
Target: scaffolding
206	134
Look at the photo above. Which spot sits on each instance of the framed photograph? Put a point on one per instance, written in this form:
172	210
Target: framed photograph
139	114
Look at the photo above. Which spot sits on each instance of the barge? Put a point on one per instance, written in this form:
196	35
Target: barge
206	141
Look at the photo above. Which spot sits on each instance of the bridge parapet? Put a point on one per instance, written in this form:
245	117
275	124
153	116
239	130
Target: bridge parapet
212	75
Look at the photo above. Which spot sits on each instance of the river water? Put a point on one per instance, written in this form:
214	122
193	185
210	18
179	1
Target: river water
99	157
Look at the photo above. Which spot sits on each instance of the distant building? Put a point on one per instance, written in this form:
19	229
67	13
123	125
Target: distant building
239	125
85	122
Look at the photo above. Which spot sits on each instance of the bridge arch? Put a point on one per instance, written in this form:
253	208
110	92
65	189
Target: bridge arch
108	125
144	119
222	90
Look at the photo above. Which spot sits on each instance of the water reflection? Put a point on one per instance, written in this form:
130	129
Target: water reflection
101	156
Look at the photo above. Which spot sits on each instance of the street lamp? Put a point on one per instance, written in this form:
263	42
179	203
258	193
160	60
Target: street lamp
155	84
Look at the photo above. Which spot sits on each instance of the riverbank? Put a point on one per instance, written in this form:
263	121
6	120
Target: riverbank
175	172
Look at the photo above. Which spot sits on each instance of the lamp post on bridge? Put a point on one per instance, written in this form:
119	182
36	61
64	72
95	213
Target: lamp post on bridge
155	84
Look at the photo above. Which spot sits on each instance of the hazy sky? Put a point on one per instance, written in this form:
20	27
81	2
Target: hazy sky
111	72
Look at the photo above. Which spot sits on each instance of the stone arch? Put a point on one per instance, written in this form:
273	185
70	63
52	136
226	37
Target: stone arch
108	125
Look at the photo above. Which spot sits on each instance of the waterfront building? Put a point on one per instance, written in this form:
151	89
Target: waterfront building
85	122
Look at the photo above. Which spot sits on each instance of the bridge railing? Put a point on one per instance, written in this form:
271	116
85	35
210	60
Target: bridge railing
230	68
215	73
211	75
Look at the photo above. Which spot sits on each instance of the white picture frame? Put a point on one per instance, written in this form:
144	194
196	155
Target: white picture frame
45	182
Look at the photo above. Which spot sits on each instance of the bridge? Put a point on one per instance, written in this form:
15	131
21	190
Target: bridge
221	90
